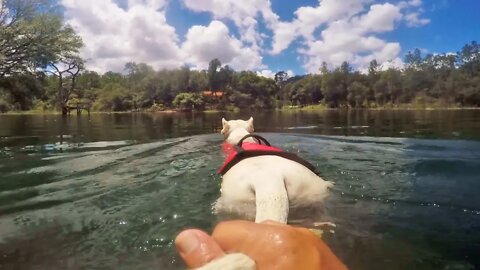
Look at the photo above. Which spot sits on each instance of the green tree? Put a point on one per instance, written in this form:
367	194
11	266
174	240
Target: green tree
469	58
18	92
357	94
213	79
380	89
413	59
189	101
114	97
280	77
66	71
32	36
335	86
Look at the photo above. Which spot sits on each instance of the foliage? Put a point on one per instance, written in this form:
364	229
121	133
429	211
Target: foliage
33	40
448	79
114	97
5	106
439	80
188	101
32	36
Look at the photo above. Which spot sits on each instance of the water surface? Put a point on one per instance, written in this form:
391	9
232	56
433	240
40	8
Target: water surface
110	191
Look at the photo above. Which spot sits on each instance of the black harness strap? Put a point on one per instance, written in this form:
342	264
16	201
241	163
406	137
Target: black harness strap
259	138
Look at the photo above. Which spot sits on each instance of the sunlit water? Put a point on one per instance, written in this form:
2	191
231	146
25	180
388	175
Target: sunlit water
112	191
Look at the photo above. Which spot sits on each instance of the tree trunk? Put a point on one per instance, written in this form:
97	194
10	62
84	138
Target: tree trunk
64	110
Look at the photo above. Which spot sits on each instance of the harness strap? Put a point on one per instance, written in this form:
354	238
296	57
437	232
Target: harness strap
259	138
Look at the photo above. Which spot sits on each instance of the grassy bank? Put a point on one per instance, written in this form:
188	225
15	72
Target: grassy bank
405	106
318	107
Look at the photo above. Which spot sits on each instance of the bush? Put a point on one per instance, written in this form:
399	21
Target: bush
189	101
157	107
4	106
41	105
114	97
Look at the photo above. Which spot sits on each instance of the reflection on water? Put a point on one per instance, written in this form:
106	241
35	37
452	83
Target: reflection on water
111	191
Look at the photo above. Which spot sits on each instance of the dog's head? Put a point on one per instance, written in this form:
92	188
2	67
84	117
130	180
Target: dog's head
240	126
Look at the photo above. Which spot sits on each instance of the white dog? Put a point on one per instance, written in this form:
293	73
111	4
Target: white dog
266	186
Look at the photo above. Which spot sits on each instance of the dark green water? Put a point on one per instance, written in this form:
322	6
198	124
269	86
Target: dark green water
110	191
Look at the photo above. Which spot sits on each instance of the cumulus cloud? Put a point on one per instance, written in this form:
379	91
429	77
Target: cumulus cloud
267	73
332	31
204	43
414	11
139	32
114	36
243	13
307	19
353	40
350	29
349	32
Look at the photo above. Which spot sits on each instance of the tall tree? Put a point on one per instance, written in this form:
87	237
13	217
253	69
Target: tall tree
32	36
373	68
213	80
413	59
281	77
66	71
469	58
357	94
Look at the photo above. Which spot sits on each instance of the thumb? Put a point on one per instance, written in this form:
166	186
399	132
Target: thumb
197	248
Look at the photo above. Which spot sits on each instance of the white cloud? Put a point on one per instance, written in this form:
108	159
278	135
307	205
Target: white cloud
139	32
332	31
353	40
415	3
114	36
243	13
267	73
395	63
380	18
411	3
205	43
413	12
349	32
413	19
307	19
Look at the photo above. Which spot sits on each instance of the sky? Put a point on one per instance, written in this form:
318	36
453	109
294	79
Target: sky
267	36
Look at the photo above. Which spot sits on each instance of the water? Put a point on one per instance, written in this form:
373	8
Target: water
110	191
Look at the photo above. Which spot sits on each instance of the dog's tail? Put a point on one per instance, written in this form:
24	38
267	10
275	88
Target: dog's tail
271	198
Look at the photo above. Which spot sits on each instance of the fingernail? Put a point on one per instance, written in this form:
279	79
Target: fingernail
187	242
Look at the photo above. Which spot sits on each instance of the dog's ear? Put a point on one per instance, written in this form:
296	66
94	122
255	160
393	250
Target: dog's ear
250	125
225	126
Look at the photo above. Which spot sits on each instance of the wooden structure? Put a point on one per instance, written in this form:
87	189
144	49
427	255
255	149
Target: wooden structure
79	106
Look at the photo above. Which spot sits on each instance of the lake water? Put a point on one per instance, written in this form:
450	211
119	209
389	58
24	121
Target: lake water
111	191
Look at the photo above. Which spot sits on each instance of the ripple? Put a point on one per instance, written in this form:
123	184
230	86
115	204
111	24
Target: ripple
393	197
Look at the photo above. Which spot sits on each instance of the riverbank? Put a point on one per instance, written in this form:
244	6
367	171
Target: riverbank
319	107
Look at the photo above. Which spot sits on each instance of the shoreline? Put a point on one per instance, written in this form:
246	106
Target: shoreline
304	109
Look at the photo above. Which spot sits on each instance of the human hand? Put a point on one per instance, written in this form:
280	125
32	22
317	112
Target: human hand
270	244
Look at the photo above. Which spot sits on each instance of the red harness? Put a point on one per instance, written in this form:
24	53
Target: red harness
242	150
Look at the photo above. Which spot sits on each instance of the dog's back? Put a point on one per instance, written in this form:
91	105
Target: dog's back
267	186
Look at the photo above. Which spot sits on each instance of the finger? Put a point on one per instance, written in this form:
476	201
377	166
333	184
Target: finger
270	245
233	236
197	248
271	222
329	259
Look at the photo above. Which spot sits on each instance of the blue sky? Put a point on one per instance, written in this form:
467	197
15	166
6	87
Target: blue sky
268	36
